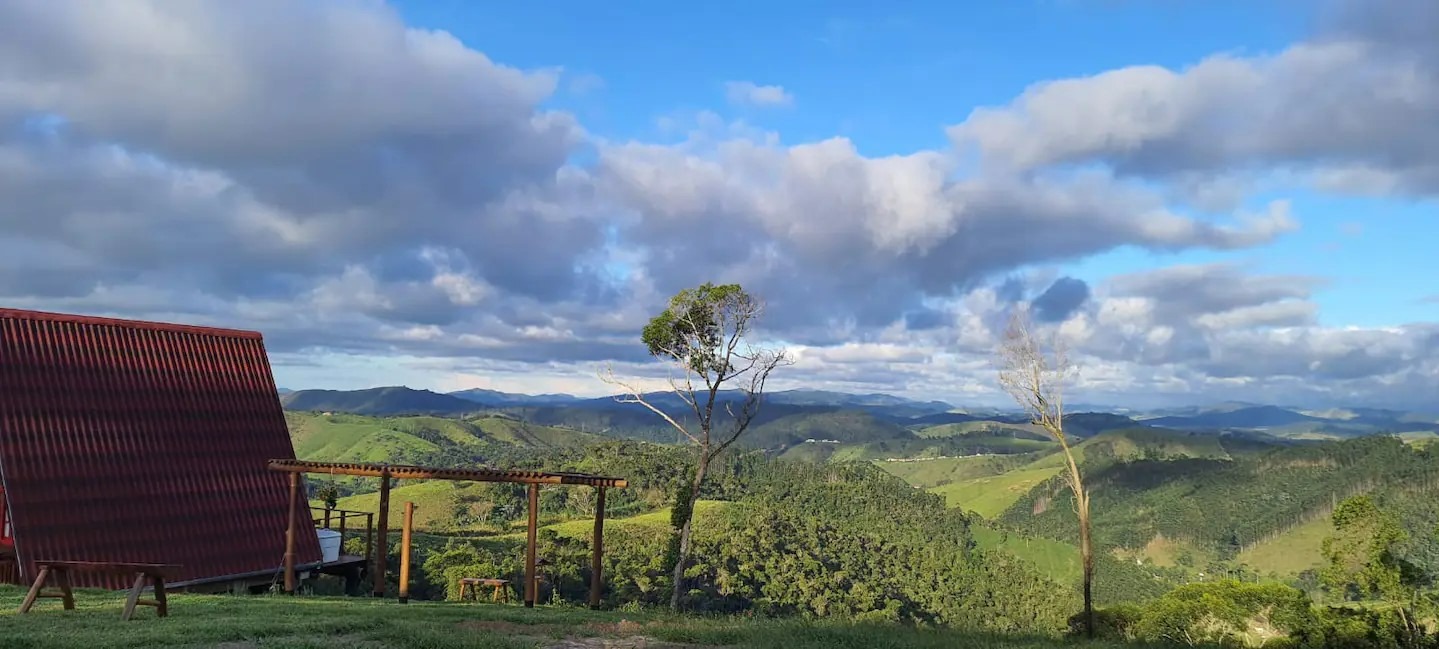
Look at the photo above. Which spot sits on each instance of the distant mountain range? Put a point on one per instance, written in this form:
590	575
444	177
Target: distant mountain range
791	417
497	398
404	400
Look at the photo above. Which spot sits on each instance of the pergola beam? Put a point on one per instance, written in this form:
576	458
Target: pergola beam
406	472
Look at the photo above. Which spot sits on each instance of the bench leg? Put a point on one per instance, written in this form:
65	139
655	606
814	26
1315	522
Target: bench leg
162	605
62	575
134	597
463	587
35	590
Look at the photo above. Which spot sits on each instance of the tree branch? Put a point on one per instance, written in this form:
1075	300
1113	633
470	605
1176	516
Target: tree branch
634	395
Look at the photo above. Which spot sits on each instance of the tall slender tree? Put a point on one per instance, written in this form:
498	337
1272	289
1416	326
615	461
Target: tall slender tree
704	334
1036	379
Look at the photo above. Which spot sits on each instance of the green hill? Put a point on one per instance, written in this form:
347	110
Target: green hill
934	472
1056	560
841	426
990	492
352	438
1221	506
657	522
990	496
434	502
914	448
392	400
359	438
1291	552
993	428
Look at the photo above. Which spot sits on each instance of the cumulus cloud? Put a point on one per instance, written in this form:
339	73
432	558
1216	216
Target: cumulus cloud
1355	106
748	93
349	184
839	241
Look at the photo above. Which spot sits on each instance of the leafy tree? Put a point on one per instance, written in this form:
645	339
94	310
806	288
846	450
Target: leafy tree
1361	558
1036	379
704	334
1225	612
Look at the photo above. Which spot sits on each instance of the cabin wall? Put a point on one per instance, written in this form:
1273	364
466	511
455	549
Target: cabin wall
143	442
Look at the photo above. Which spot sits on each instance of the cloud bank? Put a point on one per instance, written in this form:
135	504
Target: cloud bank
349	184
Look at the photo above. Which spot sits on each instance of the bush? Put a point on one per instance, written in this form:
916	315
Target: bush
1367	628
1229	612
1110	623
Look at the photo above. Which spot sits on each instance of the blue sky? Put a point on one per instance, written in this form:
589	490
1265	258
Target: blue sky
888	75
1216	199
891	76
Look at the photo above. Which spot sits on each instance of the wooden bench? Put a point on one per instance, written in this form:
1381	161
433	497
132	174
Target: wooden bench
155	573
471	585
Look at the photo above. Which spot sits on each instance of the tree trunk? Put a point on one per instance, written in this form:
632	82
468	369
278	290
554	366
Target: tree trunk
1086	555
1086	547
682	561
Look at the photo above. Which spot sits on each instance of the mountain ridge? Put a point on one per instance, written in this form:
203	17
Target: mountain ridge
599	414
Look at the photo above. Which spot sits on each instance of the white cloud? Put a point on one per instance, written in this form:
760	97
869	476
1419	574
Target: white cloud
360	189
1353	106
748	93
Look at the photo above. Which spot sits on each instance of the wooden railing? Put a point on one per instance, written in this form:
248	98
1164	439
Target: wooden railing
331	518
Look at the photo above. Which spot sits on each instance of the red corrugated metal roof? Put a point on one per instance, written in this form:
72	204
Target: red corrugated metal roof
142	442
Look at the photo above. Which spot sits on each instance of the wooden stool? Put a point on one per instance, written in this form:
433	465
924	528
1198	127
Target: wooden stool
471	585
155	573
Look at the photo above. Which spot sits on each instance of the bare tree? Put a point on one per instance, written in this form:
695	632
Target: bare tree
1036	380
703	335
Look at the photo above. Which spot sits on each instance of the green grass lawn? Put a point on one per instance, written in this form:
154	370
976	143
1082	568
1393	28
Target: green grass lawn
265	622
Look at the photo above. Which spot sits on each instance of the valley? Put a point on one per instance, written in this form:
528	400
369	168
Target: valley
1243	492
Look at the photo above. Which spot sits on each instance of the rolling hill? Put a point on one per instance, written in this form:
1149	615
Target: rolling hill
392	400
1251	417
992	487
359	438
495	398
1294	423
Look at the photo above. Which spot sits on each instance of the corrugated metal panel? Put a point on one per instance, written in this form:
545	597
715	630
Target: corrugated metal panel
142	442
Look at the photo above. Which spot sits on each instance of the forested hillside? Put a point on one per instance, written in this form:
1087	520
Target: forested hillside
840	537
845	512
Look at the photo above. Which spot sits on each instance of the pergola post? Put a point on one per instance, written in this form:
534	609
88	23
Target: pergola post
598	549
377	547
290	534
405	552
531	581
382	534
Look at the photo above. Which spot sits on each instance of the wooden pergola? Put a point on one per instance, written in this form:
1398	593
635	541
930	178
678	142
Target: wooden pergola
388	472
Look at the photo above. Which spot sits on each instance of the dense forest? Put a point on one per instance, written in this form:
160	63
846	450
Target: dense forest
836	537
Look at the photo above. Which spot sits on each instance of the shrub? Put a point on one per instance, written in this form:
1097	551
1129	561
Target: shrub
1368	628
1110	623
1229	612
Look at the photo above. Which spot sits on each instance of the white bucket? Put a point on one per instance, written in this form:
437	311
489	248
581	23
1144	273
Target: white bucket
329	545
